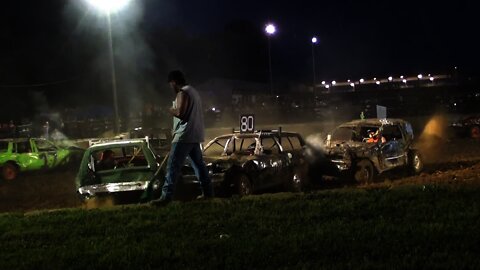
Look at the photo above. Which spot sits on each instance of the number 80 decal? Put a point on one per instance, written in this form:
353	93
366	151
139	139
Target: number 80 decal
247	123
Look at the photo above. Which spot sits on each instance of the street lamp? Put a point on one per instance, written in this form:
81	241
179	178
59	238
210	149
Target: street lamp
270	29
314	41
109	7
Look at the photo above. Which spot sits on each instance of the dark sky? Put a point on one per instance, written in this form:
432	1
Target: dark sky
357	37
52	41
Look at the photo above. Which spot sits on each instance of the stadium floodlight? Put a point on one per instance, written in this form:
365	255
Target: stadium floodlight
314	41
109	6
270	29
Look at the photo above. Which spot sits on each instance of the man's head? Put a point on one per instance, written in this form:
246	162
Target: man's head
176	79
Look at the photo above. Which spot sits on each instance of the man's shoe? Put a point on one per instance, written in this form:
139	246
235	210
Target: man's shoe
160	202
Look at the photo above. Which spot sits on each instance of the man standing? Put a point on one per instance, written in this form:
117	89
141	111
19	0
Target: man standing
188	133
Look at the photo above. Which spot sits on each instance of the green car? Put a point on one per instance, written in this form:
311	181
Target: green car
21	155
122	170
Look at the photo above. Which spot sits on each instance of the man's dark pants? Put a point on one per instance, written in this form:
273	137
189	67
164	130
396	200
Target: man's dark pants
176	160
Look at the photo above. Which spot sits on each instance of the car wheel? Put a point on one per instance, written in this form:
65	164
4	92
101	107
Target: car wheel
475	132
9	171
364	172
243	185
415	162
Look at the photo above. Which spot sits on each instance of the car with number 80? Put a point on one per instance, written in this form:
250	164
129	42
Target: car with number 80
248	163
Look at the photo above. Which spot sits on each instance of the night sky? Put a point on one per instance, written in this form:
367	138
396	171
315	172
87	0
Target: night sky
357	37
57	44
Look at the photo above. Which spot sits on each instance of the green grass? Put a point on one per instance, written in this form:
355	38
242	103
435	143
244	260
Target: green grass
435	226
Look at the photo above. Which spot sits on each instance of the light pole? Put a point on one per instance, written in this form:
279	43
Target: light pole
270	29
314	41
108	7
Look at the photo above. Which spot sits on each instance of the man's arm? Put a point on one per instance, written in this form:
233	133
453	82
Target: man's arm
182	101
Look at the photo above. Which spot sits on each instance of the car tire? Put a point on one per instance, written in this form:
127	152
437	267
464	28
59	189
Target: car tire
415	162
364	172
475	132
243	186
9	171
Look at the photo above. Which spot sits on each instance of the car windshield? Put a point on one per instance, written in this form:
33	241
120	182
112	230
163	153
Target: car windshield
343	134
217	148
118	157
44	145
356	134
243	145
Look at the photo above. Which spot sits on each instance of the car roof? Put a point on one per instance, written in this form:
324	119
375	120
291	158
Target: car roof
116	143
256	134
19	139
374	122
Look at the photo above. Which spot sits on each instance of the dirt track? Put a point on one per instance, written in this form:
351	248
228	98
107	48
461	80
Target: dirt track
447	161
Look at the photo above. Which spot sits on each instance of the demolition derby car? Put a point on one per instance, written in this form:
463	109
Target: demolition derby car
125	170
22	155
361	149
467	127
247	163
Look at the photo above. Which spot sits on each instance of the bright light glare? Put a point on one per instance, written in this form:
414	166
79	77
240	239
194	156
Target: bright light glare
109	6
327	86
377	82
404	81
362	80
334	82
352	85
270	29
314	40
390	78
419	76
431	79
323	82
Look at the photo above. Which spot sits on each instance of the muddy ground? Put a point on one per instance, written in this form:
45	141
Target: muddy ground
448	160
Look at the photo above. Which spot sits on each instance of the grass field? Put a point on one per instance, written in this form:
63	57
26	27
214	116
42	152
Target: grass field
408	227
